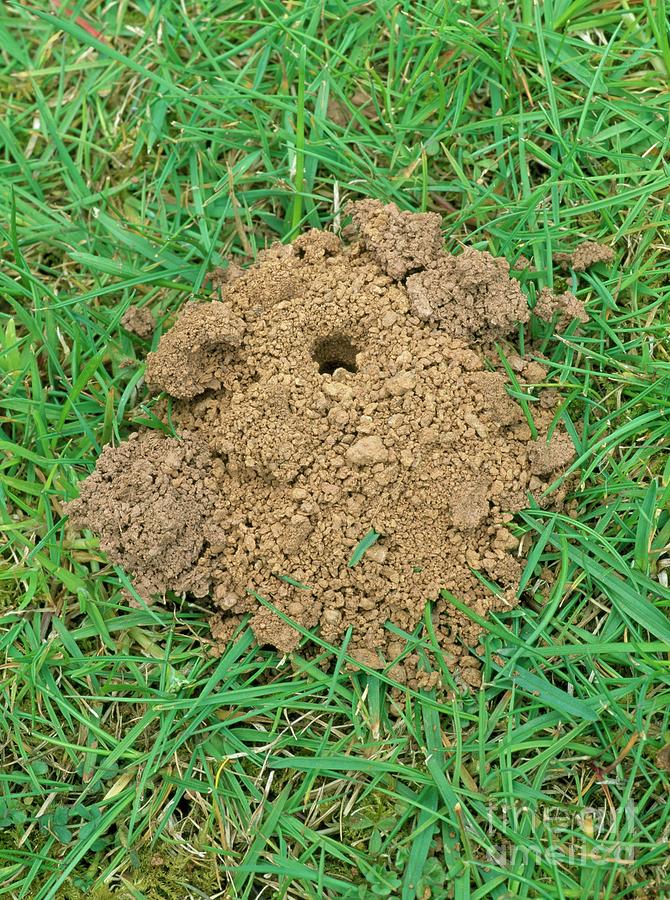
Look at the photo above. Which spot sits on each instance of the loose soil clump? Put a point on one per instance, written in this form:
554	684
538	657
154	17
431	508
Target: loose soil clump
332	391
139	320
587	254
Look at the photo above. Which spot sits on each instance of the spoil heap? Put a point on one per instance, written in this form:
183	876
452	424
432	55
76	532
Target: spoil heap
333	390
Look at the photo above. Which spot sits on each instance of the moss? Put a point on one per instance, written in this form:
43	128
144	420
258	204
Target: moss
69	891
159	875
162	875
8	599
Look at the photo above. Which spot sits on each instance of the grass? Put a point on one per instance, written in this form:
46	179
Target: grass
133	763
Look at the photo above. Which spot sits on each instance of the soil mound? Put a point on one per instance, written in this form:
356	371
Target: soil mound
336	394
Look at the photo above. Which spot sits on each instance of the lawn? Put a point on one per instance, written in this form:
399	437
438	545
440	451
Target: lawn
144	142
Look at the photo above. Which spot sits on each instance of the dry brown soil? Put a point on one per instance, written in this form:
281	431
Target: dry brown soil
139	320
333	389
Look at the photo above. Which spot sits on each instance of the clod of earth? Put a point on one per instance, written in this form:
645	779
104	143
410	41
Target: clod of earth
587	254
333	390
139	320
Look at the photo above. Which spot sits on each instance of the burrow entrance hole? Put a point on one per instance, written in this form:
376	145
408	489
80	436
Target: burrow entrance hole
335	352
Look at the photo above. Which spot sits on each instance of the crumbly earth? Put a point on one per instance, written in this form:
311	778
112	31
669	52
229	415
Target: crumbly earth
158	497
333	389
139	320
587	254
564	307
469	296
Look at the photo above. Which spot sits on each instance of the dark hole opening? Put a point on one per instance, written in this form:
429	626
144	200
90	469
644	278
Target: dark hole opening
335	352
184	806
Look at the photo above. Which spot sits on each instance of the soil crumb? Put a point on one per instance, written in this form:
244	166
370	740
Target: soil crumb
152	500
399	241
566	307
471	296
192	356
587	254
139	320
332	390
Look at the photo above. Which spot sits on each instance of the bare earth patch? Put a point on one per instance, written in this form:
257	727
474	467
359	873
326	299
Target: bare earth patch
331	391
